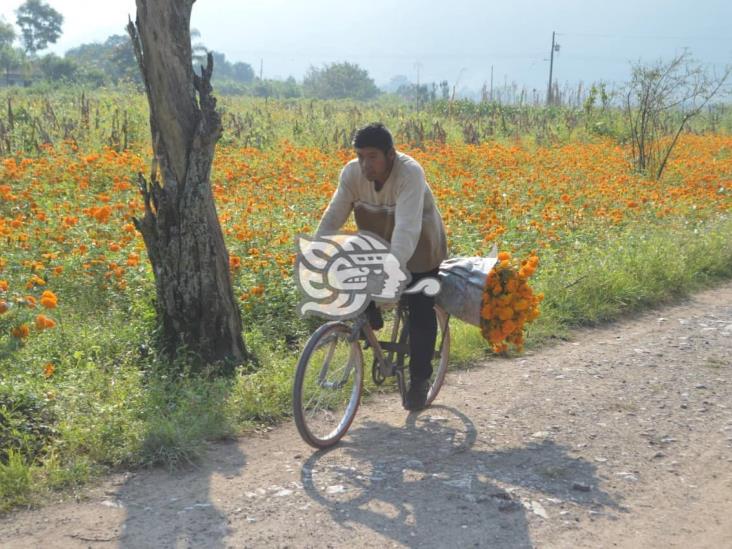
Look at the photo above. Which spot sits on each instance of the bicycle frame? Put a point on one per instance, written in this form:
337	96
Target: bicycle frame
384	364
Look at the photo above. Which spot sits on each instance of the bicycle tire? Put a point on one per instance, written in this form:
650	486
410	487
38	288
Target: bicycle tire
443	353
323	423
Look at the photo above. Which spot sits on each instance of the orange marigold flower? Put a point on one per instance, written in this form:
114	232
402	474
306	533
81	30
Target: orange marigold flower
526	271
504	313
49	299
43	322
495	336
48	370
508	327
30	301
35	280
504	256
4	285
4	307
500	348
20	332
504	301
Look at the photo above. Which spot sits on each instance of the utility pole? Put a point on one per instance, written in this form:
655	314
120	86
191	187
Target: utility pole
491	83
549	94
261	67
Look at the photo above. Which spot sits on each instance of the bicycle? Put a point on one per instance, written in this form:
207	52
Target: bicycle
330	373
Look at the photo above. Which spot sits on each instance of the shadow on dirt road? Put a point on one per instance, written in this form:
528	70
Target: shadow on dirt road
424	485
191	518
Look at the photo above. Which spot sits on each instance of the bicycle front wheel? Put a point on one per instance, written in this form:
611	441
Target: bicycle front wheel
328	383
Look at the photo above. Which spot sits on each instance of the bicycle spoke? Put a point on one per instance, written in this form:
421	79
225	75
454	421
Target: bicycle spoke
328	384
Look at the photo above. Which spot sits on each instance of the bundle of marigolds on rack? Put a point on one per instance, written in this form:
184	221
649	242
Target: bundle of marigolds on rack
508	303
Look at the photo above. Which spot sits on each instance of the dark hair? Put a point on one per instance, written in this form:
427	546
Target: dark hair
374	135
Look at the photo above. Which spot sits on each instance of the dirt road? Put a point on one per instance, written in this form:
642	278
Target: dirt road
621	437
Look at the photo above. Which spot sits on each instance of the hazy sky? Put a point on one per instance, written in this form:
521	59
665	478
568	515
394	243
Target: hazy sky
443	40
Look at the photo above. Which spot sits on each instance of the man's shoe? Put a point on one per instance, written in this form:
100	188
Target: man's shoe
416	398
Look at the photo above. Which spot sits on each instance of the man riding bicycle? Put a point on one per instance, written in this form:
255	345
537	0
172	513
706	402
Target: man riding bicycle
389	196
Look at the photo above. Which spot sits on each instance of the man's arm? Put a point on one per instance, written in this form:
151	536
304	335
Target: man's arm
339	208
408	216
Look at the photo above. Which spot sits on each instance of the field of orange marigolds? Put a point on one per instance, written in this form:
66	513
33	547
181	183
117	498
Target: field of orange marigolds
66	215
81	386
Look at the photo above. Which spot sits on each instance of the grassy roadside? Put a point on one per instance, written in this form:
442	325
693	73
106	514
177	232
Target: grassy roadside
110	404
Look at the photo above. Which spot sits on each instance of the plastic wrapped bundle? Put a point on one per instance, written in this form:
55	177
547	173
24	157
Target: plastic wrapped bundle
462	281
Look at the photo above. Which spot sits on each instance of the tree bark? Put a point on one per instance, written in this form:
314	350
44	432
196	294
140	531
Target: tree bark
195	300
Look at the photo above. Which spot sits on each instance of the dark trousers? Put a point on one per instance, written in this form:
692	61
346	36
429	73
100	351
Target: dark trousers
422	329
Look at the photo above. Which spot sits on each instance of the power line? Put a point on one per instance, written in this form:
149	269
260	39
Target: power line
646	37
407	56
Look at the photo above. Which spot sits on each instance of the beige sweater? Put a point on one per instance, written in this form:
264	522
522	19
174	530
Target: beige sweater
403	212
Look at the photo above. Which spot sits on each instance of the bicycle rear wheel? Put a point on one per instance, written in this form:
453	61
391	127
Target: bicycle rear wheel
442	353
328	383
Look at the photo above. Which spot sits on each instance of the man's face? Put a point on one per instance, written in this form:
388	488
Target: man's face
375	165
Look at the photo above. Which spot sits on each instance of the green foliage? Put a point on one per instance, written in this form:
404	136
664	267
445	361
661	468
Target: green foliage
225	70
26	424
114	59
40	25
10	58
7	34
118	117
184	414
638	267
423	93
54	67
339	81
15	481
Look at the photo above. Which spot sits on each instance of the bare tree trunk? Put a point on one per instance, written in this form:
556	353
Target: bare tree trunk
181	230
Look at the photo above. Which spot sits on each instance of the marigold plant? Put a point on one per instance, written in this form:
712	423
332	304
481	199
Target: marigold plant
508	303
15	317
